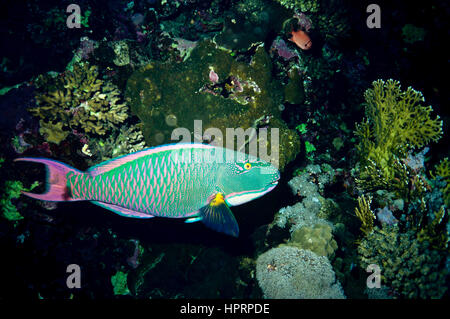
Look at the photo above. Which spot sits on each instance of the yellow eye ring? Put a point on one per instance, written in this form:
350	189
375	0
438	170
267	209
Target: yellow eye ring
247	166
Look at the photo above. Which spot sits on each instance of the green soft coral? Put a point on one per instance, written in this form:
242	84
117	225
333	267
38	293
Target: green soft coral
119	283
79	101
396	122
11	191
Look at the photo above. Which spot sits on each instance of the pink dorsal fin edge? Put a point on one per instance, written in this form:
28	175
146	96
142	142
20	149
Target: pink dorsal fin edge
116	162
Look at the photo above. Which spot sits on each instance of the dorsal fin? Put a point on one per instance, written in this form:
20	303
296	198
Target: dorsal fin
118	161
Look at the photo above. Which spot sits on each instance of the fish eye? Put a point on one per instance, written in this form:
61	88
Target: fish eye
247	166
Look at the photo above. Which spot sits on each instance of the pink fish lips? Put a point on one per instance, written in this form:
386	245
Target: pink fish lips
161	182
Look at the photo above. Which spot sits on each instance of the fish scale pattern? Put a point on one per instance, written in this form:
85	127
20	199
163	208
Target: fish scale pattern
162	184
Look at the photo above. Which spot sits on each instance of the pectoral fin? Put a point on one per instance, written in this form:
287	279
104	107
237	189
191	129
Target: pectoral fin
218	216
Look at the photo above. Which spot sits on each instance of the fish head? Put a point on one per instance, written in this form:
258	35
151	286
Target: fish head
247	179
301	39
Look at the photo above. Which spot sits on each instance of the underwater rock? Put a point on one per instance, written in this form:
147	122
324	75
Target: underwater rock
301	5
120	142
280	47
294	91
292	273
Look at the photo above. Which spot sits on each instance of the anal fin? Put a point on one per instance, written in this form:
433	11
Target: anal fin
122	211
218	216
193	219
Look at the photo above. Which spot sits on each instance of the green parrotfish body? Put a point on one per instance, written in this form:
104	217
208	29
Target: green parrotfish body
194	181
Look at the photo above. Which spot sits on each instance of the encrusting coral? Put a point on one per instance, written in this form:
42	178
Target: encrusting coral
78	101
396	122
318	239
289	273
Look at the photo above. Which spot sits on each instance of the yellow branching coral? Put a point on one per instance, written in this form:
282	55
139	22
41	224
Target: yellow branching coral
443	171
398	117
79	101
365	214
435	233
53	132
396	121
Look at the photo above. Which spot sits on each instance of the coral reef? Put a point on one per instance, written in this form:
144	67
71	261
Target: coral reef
442	172
119	283
412	34
318	239
11	191
294	91
436	233
307	212
78	101
330	20
407	265
53	133
281	48
302	5
250	22
244	94
396	122
365	214
289	272
122	53
230	64
120	142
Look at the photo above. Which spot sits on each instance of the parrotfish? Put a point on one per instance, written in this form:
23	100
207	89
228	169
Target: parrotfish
194	181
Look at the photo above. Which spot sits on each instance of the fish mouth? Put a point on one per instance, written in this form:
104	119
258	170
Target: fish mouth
272	185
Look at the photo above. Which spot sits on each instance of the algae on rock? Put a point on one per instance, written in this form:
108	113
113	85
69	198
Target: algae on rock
165	96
